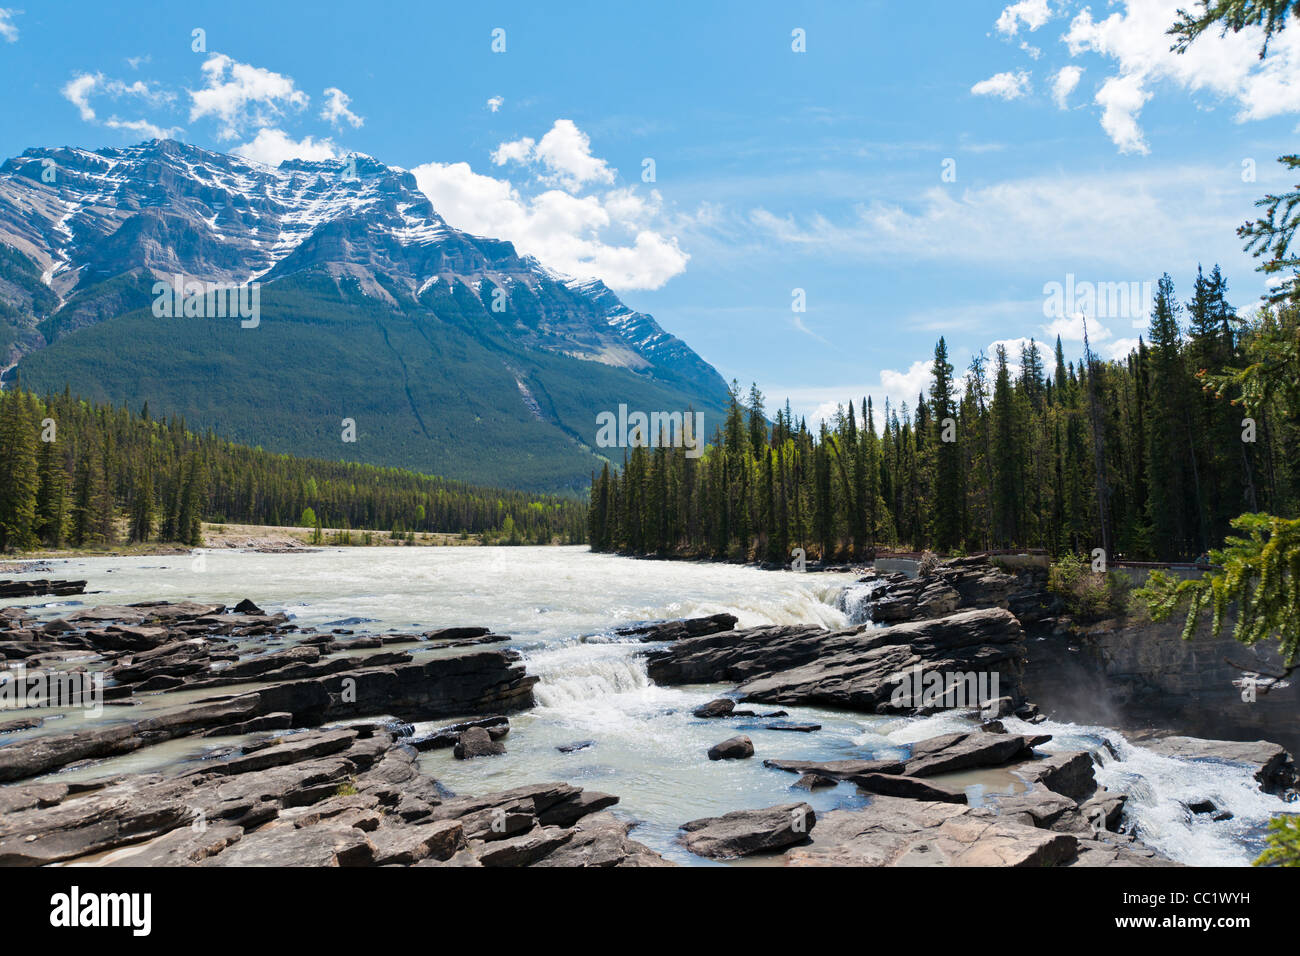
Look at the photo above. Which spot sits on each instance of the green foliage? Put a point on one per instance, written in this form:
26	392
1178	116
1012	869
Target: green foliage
1283	842
19	473
1088	595
1270	236
1260	574
1234	16
166	480
434	389
1022	472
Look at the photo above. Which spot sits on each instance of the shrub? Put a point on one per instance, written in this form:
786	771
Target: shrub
929	564
1088	594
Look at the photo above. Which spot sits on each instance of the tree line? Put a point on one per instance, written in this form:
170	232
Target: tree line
1134	455
70	472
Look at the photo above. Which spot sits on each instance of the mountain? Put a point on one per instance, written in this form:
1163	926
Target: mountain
452	353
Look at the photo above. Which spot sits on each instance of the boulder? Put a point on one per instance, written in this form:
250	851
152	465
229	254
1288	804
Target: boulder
746	832
477	742
733	748
963	751
678	630
721	707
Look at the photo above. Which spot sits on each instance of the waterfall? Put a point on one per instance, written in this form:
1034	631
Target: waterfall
856	601
1160	788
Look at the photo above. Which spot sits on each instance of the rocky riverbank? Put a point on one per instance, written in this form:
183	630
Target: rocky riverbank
232	736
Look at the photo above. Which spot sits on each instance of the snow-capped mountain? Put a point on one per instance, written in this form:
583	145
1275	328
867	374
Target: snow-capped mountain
85	236
165	208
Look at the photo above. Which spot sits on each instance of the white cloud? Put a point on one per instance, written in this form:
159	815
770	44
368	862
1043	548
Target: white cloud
613	236
495	103
1009	86
1225	66
1036	223
274	146
238	96
564	153
77	91
905	386
1121	99
1070	329
83	86
1033	13
1118	349
142	127
336	109
1064	83
8	29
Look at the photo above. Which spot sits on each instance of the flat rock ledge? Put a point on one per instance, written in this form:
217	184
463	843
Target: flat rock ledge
858	668
915	818
339	796
160	647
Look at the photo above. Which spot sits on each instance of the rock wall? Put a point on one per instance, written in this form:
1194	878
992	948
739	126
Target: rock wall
1142	675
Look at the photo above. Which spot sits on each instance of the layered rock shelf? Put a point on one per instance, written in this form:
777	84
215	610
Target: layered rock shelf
857	668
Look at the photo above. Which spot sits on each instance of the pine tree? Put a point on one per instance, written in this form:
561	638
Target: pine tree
142	509
19	478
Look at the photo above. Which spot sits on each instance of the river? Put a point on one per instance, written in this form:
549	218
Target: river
559	606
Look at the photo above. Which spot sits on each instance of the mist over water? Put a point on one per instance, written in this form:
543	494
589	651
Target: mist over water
561	605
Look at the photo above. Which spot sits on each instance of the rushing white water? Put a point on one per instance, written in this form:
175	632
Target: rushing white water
560	605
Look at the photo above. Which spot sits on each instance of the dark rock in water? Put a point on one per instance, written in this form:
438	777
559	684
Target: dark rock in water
746	832
19	589
897	785
1202	806
774	713
950	752
497	727
247	607
1069	772
733	748
1222	815
836	769
1002	707
796	728
679	630
455	633
722	707
575	747
815	781
477	742
569	811
859	668
993	727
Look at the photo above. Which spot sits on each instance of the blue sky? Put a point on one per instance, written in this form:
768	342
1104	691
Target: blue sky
1073	144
